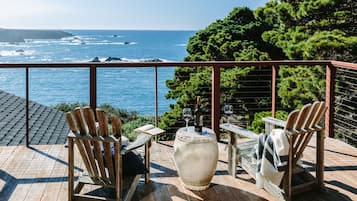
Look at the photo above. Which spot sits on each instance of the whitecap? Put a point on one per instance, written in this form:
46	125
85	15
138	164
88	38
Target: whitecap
110	43
10	53
181	45
46	59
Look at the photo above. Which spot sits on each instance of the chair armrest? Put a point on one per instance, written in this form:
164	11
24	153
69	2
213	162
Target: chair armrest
140	141
239	131
274	121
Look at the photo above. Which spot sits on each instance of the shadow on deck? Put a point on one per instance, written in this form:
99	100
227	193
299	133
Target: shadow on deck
40	173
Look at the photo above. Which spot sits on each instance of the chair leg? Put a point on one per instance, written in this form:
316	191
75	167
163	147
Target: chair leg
232	154
70	169
147	162
289	173
320	139
78	187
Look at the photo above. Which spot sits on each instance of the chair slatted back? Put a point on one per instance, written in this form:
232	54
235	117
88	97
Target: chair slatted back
290	122
304	115
316	114
301	125
90	119
95	145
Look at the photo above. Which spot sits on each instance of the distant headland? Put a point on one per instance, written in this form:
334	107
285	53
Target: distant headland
19	35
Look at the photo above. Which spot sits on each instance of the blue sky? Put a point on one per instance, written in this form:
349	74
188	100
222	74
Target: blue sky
117	14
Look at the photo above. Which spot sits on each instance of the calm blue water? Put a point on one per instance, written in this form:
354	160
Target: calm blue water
130	88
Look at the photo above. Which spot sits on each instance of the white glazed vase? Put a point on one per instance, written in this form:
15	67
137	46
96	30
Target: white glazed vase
196	159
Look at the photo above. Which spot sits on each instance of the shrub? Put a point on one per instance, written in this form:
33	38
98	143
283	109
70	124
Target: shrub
258	125
128	128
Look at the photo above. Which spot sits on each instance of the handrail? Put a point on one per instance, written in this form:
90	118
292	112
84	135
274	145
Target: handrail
167	64
215	65
340	64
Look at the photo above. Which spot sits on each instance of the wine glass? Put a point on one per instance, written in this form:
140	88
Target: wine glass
228	110
187	115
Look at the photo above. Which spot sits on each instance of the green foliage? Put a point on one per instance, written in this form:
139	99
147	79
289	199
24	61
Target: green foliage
301	85
310	30
235	38
125	115
313	29
258	125
67	107
128	128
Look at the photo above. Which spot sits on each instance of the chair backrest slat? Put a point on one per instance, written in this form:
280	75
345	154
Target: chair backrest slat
304	132
301	119
90	119
290	122
299	127
83	128
72	125
116	126
318	117
79	142
103	131
319	113
116	129
313	111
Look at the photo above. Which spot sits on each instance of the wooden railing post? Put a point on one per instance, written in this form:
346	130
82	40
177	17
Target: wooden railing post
27	105
156	99
93	87
273	89
330	97
215	111
156	104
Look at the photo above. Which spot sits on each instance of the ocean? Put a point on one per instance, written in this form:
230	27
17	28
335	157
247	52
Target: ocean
127	88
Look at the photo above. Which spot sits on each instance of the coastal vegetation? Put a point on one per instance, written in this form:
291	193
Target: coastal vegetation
287	29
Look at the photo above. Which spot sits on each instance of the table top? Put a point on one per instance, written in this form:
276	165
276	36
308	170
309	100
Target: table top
191	135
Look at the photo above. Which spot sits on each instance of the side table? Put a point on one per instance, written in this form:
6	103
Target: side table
196	157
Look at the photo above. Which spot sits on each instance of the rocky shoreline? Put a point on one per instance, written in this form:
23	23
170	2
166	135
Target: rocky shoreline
19	35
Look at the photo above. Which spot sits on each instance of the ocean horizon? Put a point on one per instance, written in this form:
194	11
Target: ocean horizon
126	88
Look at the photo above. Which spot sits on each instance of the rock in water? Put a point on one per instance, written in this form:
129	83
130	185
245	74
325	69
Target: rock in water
153	60
96	59
113	59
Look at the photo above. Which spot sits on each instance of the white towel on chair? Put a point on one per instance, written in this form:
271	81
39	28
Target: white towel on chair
272	154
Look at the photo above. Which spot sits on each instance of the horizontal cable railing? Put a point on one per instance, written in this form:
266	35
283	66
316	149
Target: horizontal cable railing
346	105
266	74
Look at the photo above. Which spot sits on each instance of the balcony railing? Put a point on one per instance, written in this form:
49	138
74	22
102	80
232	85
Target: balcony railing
331	71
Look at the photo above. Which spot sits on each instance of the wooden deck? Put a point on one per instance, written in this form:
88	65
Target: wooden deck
40	173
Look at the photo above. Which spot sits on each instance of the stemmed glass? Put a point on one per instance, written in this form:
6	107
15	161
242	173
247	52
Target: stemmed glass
187	115
228	110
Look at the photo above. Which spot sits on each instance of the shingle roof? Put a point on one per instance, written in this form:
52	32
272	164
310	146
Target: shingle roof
47	125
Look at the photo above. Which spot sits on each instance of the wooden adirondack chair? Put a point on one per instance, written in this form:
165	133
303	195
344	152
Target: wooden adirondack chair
299	128
102	154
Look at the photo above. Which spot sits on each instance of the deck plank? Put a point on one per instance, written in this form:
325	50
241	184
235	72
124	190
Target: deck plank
57	171
40	173
30	176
